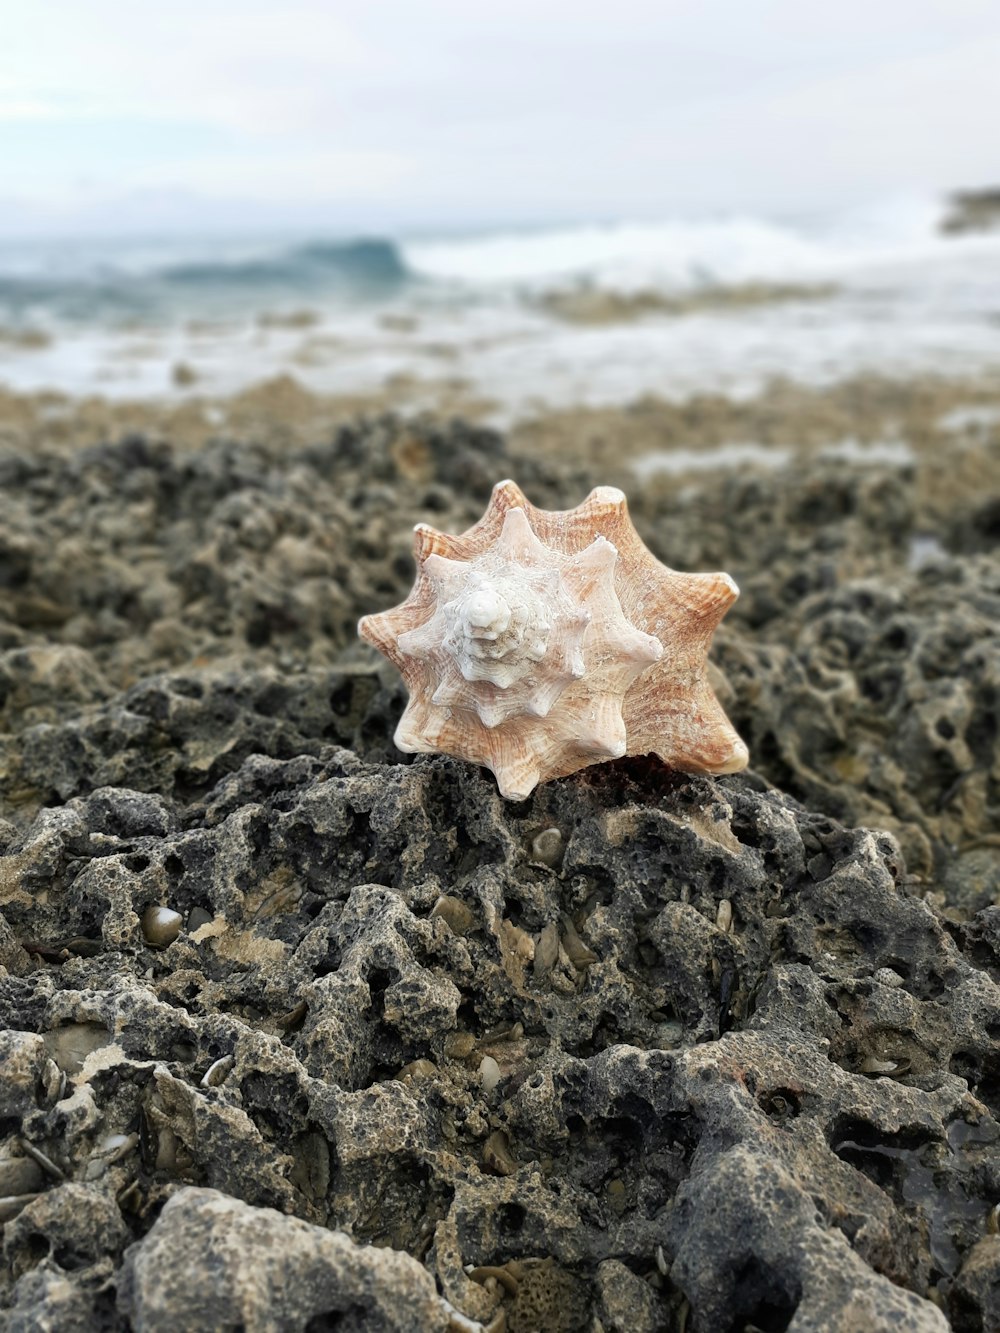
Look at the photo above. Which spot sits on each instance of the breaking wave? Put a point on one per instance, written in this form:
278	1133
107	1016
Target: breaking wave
98	287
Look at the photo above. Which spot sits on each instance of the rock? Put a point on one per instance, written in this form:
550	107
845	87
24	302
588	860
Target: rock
23	1058
882	707
72	1226
644	1048
746	1201
974	1298
863	686
972	211
38	684
211	1261
626	1303
46	1298
324	970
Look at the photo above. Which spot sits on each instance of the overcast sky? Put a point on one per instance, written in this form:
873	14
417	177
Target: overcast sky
396	113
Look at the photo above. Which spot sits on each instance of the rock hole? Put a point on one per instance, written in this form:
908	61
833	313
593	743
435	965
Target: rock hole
341	699
981	733
37	1246
780	1103
511	1217
326	1321
965	1064
378	980
764	1299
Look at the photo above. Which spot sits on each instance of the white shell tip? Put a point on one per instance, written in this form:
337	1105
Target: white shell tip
607	495
521	655
730	583
737	760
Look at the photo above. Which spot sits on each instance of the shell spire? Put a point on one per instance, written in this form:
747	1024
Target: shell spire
540	641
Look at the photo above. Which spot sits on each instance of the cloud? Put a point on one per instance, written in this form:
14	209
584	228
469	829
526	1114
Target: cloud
26	108
531	109
306	177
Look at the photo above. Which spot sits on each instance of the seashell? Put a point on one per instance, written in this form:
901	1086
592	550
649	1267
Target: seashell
539	642
459	916
161	926
489	1072
546	950
497	1154
578	953
11	1205
875	1068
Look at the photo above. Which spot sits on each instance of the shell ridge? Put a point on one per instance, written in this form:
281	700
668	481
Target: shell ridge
541	641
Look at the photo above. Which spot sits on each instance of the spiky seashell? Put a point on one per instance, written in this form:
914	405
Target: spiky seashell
539	642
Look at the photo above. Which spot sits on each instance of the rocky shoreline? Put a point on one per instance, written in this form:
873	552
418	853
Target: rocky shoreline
642	1052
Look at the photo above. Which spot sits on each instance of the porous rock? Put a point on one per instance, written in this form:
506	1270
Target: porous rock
323	971
210	1262
784	1114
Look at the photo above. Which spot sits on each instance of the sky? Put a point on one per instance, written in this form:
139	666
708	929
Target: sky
410	114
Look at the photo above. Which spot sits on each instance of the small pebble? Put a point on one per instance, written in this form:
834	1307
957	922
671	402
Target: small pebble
161	926
459	1045
669	1035
20	1175
516	941
489	1072
111	1143
459	916
617	1198
417	1069
547	847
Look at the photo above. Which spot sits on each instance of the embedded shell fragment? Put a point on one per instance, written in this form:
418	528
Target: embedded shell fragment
539	642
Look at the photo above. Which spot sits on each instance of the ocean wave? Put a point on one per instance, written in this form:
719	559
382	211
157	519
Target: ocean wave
95	288
587	273
684	255
363	264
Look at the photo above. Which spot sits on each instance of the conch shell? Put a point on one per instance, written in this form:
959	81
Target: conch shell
539	642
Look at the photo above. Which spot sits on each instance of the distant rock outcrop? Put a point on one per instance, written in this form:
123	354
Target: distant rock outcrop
973	210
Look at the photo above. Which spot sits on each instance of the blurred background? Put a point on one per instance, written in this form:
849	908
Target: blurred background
508	210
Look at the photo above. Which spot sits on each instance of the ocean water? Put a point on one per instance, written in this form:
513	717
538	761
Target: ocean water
587	314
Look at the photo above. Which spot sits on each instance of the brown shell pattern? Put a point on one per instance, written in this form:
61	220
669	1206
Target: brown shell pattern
540	641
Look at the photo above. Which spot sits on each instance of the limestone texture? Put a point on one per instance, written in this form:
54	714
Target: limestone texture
641	1052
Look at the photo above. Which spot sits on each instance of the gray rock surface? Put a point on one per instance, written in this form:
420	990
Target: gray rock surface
211	1262
704	1059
